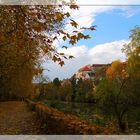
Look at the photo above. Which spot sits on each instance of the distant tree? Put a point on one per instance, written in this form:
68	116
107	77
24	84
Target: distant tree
100	74
65	92
40	82
90	97
51	91
73	84
83	88
56	82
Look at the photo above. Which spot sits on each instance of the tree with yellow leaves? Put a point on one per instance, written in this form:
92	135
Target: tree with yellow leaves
113	92
27	33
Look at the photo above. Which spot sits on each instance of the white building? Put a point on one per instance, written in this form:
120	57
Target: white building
91	71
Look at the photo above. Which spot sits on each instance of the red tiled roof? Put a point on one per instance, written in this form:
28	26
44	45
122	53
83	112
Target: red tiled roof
99	65
86	68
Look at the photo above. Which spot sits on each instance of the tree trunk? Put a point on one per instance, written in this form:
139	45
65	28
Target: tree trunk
122	124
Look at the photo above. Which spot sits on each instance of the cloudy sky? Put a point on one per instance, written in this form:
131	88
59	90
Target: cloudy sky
113	29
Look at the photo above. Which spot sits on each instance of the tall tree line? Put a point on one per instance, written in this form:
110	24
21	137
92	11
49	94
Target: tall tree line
27	34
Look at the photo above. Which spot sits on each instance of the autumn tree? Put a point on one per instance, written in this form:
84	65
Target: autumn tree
112	91
84	89
27	34
117	93
65	91
132	51
73	84
40	82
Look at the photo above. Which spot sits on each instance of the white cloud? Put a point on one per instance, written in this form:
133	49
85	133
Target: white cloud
104	53
86	15
129	11
88	10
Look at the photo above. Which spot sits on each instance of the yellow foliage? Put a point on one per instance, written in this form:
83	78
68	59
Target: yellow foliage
118	70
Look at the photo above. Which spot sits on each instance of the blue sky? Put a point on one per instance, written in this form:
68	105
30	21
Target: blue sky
113	26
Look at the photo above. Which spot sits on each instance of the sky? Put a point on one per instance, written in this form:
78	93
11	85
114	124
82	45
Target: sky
113	29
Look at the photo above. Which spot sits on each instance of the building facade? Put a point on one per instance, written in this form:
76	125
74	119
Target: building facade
92	71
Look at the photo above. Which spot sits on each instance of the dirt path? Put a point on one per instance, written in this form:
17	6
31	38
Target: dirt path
16	118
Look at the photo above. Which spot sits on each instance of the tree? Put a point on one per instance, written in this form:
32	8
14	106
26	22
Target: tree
40	83
73	84
120	89
56	82
27	35
65	92
112	92
132	51
83	89
50	91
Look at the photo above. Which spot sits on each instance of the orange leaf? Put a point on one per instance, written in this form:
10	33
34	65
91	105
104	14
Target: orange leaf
74	6
73	23
61	63
54	58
